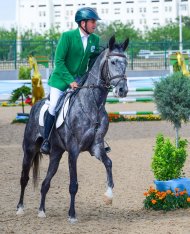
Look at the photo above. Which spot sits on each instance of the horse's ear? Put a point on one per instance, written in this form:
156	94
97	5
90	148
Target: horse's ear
125	44
111	43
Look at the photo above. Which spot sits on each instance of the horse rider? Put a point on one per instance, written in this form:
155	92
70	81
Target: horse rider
73	53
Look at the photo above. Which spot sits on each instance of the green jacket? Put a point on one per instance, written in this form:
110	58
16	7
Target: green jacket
70	59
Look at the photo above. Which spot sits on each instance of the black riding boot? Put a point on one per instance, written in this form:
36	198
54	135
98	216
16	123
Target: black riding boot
49	120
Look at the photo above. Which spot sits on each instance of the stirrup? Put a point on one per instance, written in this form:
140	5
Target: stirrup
45	147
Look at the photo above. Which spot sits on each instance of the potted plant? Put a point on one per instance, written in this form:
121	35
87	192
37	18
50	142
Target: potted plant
172	97
22	92
167	165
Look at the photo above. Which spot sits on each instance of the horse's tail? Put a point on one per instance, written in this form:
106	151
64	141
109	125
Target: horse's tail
36	170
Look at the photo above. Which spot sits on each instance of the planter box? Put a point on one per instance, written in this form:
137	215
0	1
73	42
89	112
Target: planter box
181	184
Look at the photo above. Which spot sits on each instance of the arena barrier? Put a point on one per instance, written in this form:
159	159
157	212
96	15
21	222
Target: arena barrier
135	113
138	86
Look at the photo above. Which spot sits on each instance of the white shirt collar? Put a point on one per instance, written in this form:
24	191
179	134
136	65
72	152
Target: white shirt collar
82	34
84	39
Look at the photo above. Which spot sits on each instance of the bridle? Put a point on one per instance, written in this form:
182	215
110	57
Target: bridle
105	73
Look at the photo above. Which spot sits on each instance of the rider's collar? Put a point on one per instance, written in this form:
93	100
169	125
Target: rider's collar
82	34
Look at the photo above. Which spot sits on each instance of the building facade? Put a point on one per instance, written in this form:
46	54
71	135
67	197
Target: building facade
41	15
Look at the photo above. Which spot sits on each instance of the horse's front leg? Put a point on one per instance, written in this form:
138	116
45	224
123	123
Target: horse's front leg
52	169
99	152
73	187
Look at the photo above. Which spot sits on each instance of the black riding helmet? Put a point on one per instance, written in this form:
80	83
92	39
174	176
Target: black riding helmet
85	14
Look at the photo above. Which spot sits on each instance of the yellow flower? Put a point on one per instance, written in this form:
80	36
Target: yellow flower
4	104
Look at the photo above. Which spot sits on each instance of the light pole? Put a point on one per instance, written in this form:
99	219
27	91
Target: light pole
180	29
18	41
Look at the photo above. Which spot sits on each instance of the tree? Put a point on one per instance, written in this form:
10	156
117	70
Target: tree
172	97
7	38
122	31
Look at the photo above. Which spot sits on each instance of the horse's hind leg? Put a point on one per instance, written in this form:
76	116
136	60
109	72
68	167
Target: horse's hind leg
26	165
55	157
99	152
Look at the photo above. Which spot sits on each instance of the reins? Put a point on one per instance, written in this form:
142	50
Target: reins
110	78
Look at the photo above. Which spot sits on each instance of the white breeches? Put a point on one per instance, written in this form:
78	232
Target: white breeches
54	96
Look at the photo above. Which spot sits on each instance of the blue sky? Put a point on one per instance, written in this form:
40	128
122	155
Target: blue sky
7	10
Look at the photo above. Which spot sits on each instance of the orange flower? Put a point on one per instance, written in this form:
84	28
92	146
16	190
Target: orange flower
145	194
182	193
168	191
153	201
188	199
176	189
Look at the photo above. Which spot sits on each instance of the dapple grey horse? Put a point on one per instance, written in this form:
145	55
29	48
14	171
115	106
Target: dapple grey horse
84	127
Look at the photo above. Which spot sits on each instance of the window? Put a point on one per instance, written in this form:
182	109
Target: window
117	11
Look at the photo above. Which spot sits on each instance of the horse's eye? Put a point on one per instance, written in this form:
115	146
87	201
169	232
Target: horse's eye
113	62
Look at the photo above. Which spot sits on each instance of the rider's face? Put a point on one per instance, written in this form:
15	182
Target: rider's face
90	25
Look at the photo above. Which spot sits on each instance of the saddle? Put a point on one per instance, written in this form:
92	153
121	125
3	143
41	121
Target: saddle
60	110
62	106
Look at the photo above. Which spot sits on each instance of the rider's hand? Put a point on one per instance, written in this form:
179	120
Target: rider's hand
74	85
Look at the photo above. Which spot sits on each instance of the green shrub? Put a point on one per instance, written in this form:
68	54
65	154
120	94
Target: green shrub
24	73
168	160
17	93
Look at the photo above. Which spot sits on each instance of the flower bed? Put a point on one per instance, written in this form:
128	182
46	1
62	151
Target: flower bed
118	118
10	104
167	200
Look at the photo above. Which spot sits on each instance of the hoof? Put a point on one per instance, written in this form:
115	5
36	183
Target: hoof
20	211
41	214
72	220
107	200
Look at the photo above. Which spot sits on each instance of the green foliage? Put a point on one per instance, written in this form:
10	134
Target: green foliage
122	31
165	33
166	200
17	93
168	161
172	98
24	73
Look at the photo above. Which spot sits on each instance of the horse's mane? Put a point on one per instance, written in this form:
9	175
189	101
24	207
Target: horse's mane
91	64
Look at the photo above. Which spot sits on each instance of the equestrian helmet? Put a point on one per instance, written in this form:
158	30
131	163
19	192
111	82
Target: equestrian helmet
86	13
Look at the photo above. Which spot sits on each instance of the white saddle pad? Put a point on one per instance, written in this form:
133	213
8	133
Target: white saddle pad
61	116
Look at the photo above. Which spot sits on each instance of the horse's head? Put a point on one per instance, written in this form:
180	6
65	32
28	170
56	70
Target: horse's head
116	67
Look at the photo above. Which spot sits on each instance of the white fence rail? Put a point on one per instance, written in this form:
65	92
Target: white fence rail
139	87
